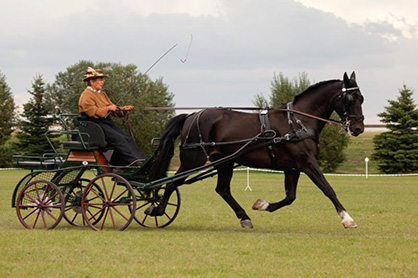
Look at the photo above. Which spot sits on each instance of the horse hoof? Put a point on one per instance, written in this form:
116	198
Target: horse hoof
260	205
247	223
149	210
349	224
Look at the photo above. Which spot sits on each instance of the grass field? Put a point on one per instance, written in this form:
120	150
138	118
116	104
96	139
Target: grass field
305	239
358	149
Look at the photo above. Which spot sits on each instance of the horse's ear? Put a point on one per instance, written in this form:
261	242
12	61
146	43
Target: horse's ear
346	80
353	76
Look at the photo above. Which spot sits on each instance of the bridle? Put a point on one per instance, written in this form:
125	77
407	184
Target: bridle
347	98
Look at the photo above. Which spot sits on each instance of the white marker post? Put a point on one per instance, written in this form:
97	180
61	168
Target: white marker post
248	180
367	167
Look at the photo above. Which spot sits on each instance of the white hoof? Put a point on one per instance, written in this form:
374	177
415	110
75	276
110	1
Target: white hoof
347	221
349	224
260	205
247	223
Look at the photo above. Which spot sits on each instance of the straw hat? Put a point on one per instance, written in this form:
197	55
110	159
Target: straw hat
93	73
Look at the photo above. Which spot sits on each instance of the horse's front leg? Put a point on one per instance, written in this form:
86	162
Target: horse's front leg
315	174
290	183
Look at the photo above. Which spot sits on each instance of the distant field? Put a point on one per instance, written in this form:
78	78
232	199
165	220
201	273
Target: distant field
358	149
305	239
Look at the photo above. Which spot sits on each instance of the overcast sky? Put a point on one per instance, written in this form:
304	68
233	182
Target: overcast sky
238	45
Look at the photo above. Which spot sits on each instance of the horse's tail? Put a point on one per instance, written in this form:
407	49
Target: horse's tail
165	150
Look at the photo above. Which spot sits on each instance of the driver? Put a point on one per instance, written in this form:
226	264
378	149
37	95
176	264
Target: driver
94	105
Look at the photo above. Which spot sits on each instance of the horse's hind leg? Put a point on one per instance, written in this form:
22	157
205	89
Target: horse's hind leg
223	188
291	182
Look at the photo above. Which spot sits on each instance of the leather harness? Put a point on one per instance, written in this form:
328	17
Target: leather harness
266	133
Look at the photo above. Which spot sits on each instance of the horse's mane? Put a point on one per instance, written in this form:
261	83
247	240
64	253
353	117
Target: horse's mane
312	87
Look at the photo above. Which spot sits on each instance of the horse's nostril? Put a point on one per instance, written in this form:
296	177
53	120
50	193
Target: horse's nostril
358	131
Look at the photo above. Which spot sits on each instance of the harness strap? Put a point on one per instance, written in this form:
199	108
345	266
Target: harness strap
265	128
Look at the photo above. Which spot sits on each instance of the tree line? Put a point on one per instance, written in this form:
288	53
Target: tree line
396	150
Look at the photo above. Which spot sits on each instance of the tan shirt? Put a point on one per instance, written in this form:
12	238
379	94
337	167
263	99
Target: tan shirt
94	104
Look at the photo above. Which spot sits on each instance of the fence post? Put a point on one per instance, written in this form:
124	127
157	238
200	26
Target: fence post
367	167
248	180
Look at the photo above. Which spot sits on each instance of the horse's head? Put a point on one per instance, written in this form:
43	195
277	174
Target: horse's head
348	106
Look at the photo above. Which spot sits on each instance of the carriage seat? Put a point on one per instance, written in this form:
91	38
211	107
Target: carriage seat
44	162
89	136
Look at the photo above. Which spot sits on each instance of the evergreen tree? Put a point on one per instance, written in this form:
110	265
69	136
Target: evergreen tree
35	122
331	142
397	149
7	121
140	91
7	107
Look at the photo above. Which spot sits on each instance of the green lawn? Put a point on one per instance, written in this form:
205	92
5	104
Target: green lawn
305	239
358	149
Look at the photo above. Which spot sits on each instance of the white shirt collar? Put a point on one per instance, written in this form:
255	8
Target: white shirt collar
93	90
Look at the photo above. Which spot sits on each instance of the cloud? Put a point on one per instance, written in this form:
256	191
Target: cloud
400	15
237	46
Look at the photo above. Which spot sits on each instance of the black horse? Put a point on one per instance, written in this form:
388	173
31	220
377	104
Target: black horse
285	138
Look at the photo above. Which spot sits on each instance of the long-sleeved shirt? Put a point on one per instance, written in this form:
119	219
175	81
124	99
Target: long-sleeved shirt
94	104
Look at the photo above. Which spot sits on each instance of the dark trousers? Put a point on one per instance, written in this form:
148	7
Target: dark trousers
126	150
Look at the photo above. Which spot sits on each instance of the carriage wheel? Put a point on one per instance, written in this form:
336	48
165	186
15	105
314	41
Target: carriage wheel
73	212
112	206
153	198
40	205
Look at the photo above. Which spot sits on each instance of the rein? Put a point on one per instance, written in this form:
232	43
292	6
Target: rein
329	121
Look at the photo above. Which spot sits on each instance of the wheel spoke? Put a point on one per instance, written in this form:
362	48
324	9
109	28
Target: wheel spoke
147	203
121	194
169	218
50	214
104	219
145	218
96	193
28	196
113	220
32	212
36	221
121	214
94	216
113	189
45	191
56	193
105	190
43	219
75	216
29	206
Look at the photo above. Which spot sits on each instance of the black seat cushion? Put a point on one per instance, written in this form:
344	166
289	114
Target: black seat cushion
92	136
